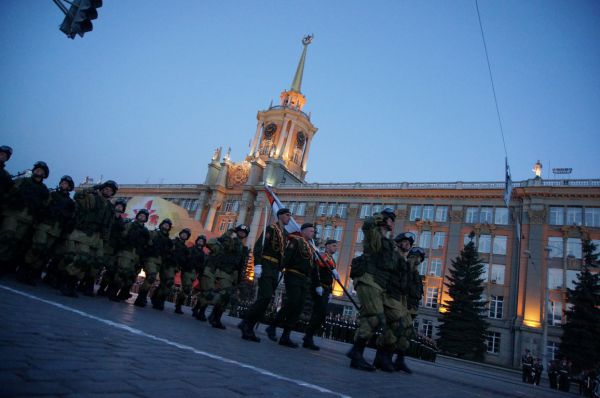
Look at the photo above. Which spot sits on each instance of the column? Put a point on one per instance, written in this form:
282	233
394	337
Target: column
286	148
201	203
255	140
210	218
279	148
305	154
254	225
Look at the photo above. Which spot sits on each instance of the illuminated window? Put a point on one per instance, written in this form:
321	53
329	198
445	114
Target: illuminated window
441	214
493	342
328	232
501	216
423	267
552	350
318	230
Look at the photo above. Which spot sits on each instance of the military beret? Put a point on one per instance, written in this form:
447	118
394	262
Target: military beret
283	211
330	241
307	225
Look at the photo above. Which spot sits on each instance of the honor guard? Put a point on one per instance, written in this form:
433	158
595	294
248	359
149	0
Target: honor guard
268	256
320	297
300	273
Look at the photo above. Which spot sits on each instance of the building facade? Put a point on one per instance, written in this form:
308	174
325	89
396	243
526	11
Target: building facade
531	249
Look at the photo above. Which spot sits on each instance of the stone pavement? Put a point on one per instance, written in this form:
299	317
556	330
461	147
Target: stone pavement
87	347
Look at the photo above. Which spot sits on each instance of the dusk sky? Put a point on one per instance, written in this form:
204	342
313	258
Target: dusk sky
399	90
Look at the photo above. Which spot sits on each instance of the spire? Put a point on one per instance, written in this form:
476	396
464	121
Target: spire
297	82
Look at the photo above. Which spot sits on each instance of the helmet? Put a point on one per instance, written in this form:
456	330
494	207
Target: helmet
166	221
409	236
7	150
41	165
69	180
186	230
388	213
417	251
143	211
243	228
111	184
200	237
121	202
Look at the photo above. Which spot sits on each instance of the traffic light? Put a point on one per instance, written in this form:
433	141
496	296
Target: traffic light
78	20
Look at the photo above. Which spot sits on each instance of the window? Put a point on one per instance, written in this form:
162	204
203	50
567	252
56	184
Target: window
498	274
500	244
466	239
425	239
485	274
318	231
360	235
337	234
342	210
423	267
572	277
557	216
552	350
441	214
592	217
292	206
574	247
554	313
365	211
556	247
331	209
501	216
493	342
415	213
377	209
496	304
574	216
427	329
232	206
555	278
427	213
321	209
485	242
301	209
432	297
436	267
223	225
439	239
472	215
328	232
485	215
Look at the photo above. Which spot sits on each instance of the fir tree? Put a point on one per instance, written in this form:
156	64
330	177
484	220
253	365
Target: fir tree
463	327
580	341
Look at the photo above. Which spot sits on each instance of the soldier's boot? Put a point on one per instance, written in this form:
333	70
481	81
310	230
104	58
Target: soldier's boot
141	299
400	365
285	339
383	360
356	356
271	331
68	286
178	304
102	288
88	286
247	329
310	343
200	313
158	303
215	317
112	292
125	293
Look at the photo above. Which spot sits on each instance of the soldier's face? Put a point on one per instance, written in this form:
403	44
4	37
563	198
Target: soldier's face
119	209
64	186
141	217
166	227
241	235
405	245
39	173
184	236
308	233
201	243
331	248
285	218
107	192
3	157
389	223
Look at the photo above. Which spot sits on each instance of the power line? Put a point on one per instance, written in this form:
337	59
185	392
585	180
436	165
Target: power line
491	78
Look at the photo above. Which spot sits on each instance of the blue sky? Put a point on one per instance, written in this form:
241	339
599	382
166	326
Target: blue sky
399	90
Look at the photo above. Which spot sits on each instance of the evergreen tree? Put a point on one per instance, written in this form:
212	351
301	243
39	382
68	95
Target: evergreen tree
580	341
463	327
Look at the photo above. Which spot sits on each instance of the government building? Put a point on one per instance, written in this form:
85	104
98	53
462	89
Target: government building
531	249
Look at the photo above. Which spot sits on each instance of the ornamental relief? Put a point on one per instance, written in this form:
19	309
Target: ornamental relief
238	174
456	215
536	216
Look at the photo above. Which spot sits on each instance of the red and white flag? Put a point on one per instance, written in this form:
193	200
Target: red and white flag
276	205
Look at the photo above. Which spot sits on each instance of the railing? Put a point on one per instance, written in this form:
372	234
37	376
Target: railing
290	108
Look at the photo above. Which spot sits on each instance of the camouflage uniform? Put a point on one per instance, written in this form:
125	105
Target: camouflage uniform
25	203
168	268
320	302
159	250
181	256
113	245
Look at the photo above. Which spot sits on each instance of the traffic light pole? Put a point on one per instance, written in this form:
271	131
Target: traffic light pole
61	6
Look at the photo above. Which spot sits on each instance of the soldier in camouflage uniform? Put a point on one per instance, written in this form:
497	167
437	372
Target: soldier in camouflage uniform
225	266
160	248
300	274
6	181
132	252
197	258
55	221
25	204
181	255
113	245
83	248
268	256
167	272
370	273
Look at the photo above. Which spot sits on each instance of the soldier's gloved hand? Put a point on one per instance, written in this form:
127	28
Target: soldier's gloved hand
319	290
257	271
335	274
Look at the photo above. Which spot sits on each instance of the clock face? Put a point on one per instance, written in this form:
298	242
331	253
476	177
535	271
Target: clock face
270	130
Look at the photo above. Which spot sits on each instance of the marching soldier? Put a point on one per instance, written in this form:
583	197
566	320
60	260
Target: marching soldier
371	273
268	254
167	272
160	247
327	274
527	366
300	272
55	221
538	368
25	203
230	259
132	252
84	246
113	245
181	256
553	374
6	181
197	257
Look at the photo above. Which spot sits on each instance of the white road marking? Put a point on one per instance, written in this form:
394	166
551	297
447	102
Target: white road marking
139	332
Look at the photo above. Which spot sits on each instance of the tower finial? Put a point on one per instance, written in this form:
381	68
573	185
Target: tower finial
297	82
